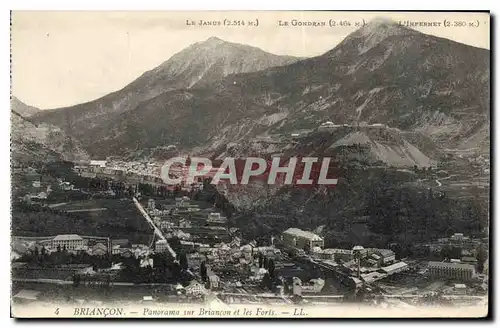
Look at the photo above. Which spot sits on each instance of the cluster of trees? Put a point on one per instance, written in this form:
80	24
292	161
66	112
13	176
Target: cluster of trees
267	263
269	276
391	210
40	257
120	220
164	270
153	190
423	216
210	194
203	271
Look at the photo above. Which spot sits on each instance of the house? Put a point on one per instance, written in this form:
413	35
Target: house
235	242
116	249
151	204
195	259
460	289
195	289
161	246
395	268
98	163
297	286
387	256
299	238
458	271
120	242
213	280
78	249
38	196
342	254
183	223
66	186
126	252
373	276
259	273
139	252
164	225
323	254
140	246
71	241
146	262
469	259
216	218
99	249
179	288
314	286
457	237
26	295
147	299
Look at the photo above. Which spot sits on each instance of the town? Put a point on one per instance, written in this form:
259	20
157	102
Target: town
223	170
189	251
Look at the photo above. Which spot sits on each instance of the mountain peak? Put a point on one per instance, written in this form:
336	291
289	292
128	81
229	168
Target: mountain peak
383	27
376	31
214	40
382	22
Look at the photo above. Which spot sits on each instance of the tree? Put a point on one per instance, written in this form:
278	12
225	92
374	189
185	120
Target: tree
203	271
43	253
269	263
286	287
261	260
307	248
446	252
266	281
183	262
482	256
76	280
271	268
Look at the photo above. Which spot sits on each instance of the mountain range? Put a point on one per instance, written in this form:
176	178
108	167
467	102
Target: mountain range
22	109
200	64
214	93
41	142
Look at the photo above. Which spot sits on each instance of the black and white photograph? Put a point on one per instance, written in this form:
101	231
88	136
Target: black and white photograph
250	164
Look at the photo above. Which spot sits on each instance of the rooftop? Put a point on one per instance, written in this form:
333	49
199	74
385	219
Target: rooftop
68	237
27	294
339	251
434	264
395	266
469	259
386	252
304	234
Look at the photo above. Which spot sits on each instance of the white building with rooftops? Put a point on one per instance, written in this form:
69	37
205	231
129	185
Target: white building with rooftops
71	242
458	271
300	238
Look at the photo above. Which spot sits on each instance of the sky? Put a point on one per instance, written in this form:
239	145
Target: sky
65	58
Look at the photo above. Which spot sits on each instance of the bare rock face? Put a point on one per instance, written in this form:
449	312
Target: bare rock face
42	143
22	109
